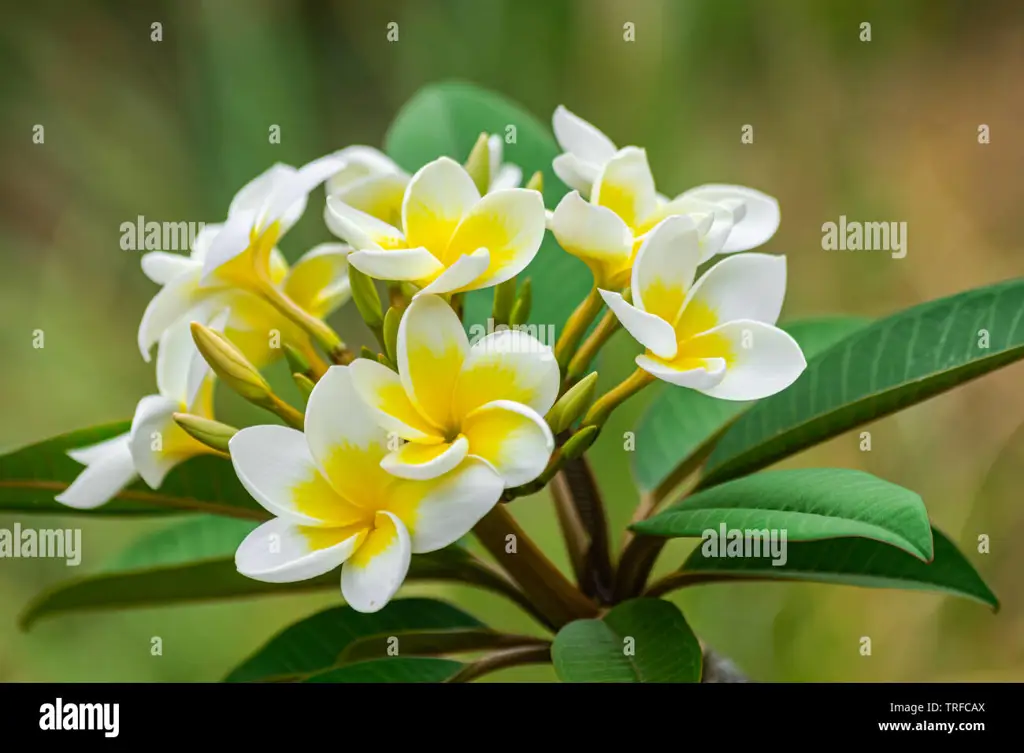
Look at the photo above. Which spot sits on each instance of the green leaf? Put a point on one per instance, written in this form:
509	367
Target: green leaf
436	642
317	643
641	640
681	426
880	369
32	476
445	119
851	562
194	562
393	669
807	504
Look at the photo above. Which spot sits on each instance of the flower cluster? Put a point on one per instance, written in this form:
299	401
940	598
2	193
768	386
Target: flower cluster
405	451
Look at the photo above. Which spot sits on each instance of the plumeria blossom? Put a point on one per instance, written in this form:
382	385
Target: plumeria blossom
717	335
372	183
624	204
451	239
229	260
335	506
155	443
453	402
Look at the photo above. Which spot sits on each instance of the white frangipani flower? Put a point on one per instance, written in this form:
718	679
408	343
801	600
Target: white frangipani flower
335	506
620	180
451	401
155	443
373	183
451	240
199	285
717	335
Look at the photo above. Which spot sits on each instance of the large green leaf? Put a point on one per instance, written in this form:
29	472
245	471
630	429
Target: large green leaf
680	426
804	505
882	368
641	640
32	476
194	562
393	669
852	562
317	643
446	119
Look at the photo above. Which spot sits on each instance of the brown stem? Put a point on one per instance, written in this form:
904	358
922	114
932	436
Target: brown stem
550	591
510	657
588	507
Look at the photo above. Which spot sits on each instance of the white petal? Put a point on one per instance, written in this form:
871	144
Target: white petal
408	264
509	224
461	275
439	512
201	243
168	306
344	438
438	197
275	466
512	438
362	162
162	267
665	266
432	347
382	392
109	469
626	186
760	214
425	461
766	360
379	196
651	331
507	176
174	360
288	201
510	364
359	229
281	552
495	151
747	286
701	378
591	232
229	243
254	195
155	439
577	136
716	221
576	173
375	572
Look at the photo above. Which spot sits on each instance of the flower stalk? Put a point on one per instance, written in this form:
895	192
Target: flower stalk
608	402
576	327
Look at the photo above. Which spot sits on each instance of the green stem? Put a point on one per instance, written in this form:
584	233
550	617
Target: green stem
550	591
576	326
609	401
580	362
318	329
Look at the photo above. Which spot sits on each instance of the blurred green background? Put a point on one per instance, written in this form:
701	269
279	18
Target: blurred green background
879	130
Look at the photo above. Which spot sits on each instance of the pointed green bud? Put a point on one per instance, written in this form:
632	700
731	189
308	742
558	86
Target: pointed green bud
478	165
213	434
304	383
536	182
364	293
391	321
231	366
365	352
521	308
296	361
572	404
504	300
385	361
580	442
